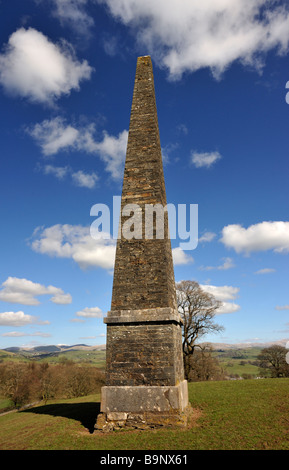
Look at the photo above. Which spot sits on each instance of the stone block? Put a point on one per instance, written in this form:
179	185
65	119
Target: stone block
118	400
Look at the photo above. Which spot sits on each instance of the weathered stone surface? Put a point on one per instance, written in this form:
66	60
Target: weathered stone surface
117	401
148	353
145	384
143	272
145	420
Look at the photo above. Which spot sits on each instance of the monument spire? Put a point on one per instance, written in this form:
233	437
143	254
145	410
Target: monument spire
144	362
143	272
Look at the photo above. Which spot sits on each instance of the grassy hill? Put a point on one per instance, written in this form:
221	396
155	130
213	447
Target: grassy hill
239	361
91	356
228	415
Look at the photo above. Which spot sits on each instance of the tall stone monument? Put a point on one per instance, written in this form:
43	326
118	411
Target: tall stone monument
145	383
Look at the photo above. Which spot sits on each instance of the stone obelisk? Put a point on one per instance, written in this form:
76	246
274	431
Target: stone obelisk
145	383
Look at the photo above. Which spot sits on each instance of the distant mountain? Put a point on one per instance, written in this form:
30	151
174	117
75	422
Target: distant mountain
53	348
50	349
281	342
47	349
12	349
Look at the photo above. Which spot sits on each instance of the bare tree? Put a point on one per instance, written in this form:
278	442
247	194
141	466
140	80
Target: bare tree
197	309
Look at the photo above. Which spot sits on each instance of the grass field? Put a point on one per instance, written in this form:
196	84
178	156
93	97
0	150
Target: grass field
228	415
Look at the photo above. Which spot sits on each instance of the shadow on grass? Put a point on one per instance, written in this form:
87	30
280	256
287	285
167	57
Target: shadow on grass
85	413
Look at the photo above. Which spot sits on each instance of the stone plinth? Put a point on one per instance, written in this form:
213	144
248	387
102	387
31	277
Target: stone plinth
125	399
144	406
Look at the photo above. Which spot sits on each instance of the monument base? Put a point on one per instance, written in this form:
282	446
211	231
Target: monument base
143	407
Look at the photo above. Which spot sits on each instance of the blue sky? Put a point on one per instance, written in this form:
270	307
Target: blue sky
66	80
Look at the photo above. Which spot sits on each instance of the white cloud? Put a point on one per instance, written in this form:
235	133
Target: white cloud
282	307
221	293
56	135
61	298
112	151
74	242
224	294
227	264
259	237
58	171
188	35
85	180
204	159
180	257
19	334
16	319
265	271
33	67
207	237
72	13
23	291
79	178
228	307
90	312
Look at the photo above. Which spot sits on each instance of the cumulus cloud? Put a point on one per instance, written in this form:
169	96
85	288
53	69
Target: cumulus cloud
282	307
204	160
57	135
90	312
189	35
228	307
259	237
33	67
84	180
76	243
23	291
16	319
54	135
180	257
224	294
221	293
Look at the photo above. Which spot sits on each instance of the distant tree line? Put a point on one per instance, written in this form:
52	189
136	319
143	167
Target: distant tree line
25	383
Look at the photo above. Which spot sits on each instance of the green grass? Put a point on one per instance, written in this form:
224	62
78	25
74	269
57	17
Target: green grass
5	404
228	415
